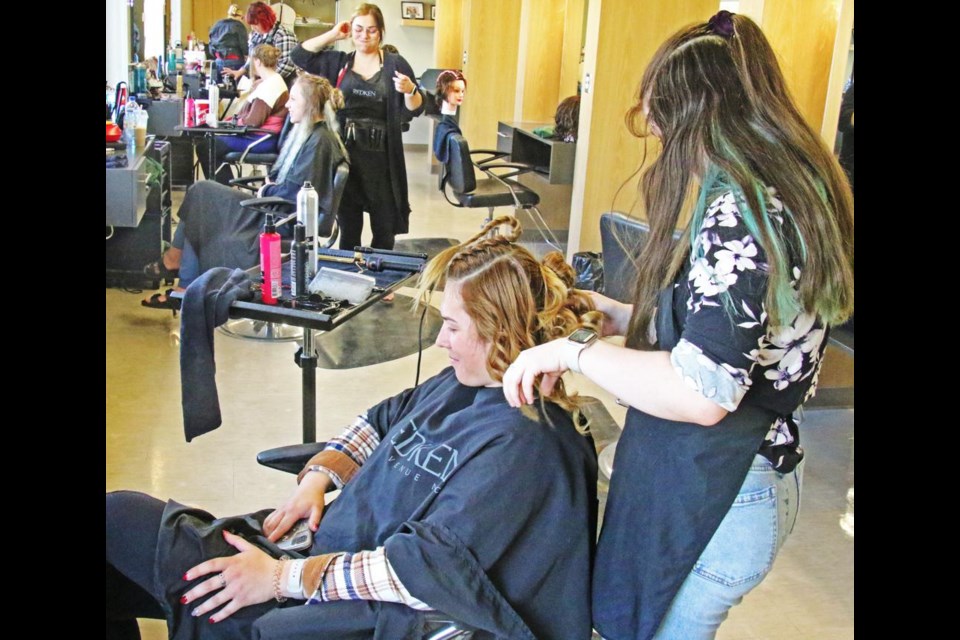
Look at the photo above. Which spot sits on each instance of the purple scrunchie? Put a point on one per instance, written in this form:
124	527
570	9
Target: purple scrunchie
722	24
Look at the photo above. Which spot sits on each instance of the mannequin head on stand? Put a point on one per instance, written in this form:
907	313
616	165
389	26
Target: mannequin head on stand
451	90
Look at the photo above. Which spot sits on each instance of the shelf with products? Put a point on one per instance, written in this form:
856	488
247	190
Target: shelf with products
417	23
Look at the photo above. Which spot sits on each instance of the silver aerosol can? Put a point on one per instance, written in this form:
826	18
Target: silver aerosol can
308	210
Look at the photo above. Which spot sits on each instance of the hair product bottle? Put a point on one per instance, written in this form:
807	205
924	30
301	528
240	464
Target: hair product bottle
213	92
270	287
308	210
298	262
189	116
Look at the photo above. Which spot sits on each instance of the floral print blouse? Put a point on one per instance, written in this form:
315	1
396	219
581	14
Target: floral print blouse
728	351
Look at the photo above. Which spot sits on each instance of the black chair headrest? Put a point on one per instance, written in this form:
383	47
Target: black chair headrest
284	130
339	186
621	239
459	167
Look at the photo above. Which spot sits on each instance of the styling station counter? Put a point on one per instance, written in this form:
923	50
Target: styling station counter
553	180
127	187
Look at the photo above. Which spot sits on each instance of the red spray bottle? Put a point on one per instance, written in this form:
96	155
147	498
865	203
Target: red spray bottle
189	117
270	262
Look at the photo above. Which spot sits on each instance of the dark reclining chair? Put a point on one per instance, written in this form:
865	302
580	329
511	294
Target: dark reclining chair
292	459
498	189
621	239
267	160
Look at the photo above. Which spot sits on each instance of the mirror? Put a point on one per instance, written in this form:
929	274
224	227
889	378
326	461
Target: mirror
843	146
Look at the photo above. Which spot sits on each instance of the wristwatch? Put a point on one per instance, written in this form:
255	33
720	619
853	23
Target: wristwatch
295	578
576	343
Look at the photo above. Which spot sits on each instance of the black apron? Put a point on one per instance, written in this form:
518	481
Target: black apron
673	483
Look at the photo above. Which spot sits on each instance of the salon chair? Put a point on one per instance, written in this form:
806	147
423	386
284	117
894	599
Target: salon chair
498	189
285	212
621	240
428	79
291	459
621	237
428	82
265	160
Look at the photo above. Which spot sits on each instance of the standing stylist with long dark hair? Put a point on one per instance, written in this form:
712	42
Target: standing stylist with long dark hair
724	340
380	95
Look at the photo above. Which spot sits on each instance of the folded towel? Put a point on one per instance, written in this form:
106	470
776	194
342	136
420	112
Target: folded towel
206	305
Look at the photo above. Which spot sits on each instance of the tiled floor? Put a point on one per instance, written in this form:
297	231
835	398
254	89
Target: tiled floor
809	594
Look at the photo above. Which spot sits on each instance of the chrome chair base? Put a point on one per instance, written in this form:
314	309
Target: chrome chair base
246	329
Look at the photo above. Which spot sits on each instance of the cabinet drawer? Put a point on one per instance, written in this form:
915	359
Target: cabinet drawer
504	138
127	194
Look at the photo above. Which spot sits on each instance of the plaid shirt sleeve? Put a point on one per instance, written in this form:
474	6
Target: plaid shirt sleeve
286	41
356	442
366	575
252	41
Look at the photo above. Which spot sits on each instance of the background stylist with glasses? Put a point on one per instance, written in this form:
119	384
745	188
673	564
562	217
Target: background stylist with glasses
380	96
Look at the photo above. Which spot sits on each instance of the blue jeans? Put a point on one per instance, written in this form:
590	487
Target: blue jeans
739	555
219	64
189	261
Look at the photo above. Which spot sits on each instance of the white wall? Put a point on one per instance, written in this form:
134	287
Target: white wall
414	43
118	41
175	18
153	44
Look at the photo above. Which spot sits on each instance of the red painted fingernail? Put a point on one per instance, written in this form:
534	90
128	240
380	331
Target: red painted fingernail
183	599
211	621
185	577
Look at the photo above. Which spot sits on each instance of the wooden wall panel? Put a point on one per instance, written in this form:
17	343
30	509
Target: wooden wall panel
448	35
838	73
491	37
572	45
186	20
622	36
205	13
802	32
541	53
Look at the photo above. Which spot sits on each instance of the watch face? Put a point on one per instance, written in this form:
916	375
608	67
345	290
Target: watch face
582	336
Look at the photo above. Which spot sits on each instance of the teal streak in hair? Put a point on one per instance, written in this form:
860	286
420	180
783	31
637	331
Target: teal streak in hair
716	181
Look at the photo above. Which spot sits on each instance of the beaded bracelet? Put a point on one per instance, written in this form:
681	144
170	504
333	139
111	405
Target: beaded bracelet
276	579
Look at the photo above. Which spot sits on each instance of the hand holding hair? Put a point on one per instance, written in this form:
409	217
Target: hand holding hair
546	362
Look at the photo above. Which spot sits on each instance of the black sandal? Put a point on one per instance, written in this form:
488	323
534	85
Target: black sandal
154	302
157	270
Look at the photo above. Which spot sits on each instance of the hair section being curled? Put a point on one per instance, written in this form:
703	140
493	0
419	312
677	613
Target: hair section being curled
515	301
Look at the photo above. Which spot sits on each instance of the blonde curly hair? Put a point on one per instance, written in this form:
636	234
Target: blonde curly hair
514	300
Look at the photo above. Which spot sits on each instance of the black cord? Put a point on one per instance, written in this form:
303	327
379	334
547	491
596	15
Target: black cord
420	344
